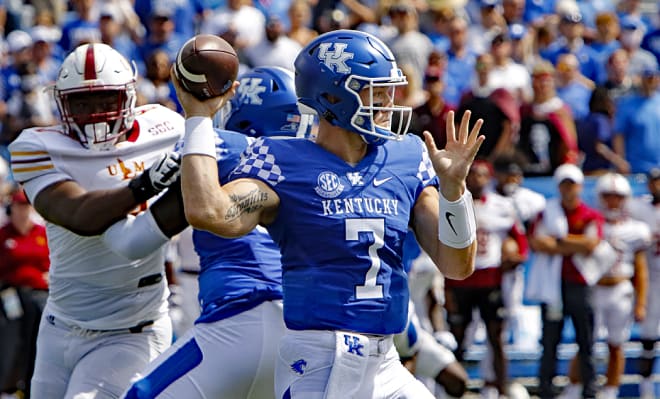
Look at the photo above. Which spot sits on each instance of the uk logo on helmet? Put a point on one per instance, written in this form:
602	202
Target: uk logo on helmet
249	91
335	59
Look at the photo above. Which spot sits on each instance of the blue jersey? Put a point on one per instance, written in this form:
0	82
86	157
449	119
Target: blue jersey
235	274
341	228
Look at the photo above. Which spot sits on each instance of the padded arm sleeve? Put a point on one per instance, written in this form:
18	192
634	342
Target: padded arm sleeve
135	237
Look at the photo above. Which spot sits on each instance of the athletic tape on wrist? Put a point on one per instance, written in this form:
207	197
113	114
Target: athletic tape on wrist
457	226
200	137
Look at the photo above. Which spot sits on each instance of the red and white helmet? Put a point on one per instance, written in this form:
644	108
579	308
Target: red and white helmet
612	183
95	94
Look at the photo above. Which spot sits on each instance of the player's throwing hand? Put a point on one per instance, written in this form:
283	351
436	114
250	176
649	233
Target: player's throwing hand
192	106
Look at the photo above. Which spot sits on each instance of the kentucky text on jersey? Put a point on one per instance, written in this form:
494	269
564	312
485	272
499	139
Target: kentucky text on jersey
380	206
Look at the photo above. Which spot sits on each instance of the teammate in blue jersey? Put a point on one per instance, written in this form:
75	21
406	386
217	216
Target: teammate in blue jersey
230	352
339	209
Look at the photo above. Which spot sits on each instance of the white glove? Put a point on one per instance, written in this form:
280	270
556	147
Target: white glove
165	170
157	178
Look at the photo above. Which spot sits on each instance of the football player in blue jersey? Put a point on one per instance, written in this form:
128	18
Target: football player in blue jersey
339	209
230	352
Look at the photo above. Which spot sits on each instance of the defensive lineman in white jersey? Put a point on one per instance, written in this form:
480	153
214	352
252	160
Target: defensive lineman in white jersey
106	315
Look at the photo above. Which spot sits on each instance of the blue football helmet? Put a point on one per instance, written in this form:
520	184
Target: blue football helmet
334	68
265	104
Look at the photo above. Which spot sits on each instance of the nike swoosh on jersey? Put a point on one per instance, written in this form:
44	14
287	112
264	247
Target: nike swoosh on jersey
448	216
381	181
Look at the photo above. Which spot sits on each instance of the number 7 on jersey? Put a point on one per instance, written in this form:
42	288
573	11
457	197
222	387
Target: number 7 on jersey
370	290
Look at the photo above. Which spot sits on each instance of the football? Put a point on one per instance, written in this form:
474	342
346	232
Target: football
206	66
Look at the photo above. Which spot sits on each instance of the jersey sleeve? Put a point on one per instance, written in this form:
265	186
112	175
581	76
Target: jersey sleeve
32	165
259	162
425	172
643	239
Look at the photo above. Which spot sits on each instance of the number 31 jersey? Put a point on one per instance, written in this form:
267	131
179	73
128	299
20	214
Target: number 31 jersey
341	228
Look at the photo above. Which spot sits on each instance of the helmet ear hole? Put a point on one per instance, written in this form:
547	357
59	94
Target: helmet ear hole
331	99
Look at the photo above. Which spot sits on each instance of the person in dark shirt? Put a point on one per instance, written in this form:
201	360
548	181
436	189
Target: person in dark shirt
547	129
432	115
595	136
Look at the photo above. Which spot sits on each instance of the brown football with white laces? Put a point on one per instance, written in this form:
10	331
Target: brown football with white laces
206	66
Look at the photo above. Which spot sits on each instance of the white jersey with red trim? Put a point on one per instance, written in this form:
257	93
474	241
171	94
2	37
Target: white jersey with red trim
643	210
496	217
89	285
627	237
529	204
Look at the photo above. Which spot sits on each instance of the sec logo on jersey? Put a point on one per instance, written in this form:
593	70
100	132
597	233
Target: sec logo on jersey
328	185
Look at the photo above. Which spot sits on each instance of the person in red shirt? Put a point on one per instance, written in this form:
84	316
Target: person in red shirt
585	230
24	286
24	250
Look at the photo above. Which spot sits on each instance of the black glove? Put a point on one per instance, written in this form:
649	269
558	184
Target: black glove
157	178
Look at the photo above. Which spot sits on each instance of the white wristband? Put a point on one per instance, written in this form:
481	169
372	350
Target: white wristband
457	226
200	137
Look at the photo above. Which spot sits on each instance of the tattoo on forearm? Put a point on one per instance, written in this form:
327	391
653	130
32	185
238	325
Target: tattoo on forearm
247	203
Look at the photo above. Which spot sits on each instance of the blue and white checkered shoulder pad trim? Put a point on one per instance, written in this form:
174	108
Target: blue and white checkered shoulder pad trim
258	161
425	172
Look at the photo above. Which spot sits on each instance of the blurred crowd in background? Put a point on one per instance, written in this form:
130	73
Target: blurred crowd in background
556	82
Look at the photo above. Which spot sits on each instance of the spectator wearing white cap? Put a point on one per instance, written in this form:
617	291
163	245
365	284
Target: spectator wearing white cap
565	228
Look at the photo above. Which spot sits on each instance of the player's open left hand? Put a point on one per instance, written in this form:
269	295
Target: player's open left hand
452	163
192	106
